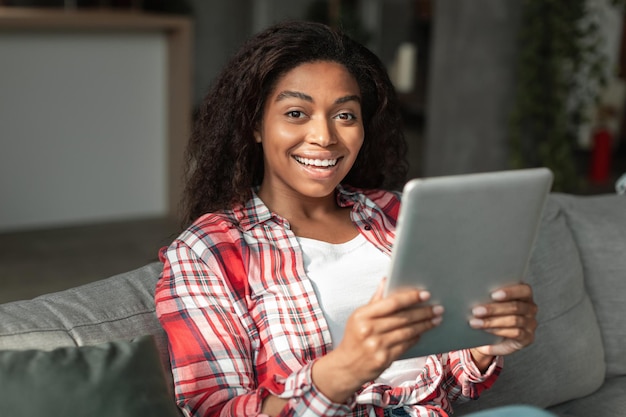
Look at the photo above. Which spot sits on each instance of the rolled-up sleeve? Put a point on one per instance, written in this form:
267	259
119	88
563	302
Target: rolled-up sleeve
445	379
463	379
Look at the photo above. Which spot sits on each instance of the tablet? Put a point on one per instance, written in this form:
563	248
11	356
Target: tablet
461	237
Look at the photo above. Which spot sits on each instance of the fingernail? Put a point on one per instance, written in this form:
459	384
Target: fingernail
436	320
498	295
479	311
438	310
476	323
424	295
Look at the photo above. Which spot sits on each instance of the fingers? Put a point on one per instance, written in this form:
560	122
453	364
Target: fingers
379	332
513	300
394	302
404	336
422	318
399	310
513	292
506	326
512	316
511	308
384	339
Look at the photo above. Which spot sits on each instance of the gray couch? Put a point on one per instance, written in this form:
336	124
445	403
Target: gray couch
576	367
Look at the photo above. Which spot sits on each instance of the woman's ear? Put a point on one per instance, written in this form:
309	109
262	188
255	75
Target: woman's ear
257	132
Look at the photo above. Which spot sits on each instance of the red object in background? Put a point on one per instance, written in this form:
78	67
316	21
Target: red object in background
601	156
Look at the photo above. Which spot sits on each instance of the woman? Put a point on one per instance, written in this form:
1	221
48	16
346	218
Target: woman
272	298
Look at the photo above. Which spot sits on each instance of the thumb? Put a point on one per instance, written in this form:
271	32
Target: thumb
380	291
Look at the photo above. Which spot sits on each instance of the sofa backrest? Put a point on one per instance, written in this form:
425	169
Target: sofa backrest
116	308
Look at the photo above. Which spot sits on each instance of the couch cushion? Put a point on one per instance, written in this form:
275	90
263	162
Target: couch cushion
116	379
599	227
610	400
566	361
116	308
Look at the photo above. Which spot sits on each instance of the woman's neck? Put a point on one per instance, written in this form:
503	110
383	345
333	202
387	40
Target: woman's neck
315	218
297	206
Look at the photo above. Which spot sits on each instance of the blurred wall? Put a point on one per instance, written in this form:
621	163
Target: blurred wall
471	85
82	127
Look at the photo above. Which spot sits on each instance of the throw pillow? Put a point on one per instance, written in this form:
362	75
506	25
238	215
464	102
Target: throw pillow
598	225
115	379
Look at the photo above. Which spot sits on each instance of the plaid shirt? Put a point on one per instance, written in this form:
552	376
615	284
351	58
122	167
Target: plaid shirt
243	320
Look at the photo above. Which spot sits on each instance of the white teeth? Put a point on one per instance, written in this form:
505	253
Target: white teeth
317	162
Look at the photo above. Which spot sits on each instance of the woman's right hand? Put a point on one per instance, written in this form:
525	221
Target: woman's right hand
376	334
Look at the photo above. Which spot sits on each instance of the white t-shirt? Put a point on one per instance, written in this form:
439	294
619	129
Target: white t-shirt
345	276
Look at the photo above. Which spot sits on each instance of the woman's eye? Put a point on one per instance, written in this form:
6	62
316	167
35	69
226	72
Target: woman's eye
295	114
346	116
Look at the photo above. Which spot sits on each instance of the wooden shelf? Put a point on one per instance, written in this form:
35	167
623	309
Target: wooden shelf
88	19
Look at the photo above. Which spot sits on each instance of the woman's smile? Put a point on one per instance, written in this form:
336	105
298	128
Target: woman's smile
318	163
318	169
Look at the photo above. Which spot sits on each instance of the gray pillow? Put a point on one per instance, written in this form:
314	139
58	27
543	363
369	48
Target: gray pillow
599	227
116	379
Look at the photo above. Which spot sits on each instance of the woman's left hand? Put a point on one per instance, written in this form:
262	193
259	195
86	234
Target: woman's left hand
512	315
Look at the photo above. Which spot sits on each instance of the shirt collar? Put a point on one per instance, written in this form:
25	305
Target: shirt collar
255	212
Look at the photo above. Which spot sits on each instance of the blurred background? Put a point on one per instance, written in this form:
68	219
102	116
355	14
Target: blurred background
97	99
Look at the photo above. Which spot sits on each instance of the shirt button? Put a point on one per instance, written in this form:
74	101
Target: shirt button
368	227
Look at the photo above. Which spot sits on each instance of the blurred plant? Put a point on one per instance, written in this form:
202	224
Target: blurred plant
561	70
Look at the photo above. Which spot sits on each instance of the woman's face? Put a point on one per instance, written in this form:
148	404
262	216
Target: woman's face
311	131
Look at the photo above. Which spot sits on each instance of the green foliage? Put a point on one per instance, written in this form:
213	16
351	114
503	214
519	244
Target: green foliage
560	71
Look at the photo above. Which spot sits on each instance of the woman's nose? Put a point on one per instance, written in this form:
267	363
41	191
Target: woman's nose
321	133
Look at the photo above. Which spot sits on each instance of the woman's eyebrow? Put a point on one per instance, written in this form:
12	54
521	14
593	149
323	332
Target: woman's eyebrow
296	94
293	94
345	99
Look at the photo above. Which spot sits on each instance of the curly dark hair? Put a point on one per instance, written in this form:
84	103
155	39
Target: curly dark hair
223	160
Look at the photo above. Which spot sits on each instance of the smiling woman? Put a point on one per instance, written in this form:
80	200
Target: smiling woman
289	164
231	116
312	118
311	133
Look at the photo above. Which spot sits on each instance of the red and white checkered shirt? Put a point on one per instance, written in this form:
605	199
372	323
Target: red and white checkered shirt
243	320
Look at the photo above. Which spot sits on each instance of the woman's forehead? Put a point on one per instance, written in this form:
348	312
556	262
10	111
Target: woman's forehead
306	78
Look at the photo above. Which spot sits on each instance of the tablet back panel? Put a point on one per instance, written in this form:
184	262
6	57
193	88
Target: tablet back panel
461	237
